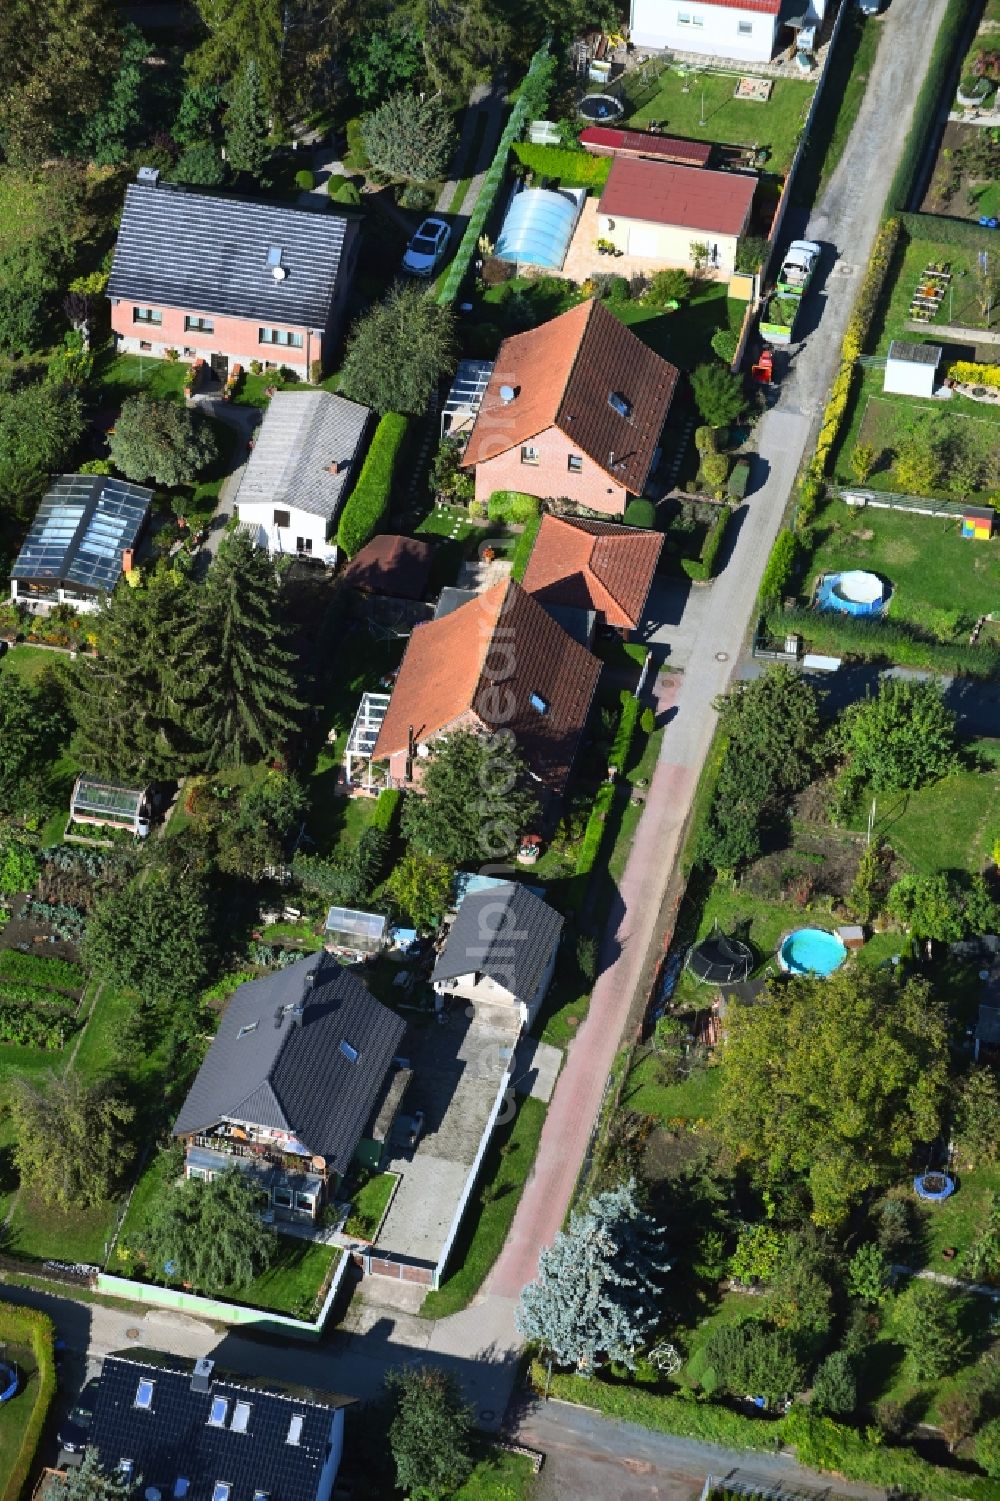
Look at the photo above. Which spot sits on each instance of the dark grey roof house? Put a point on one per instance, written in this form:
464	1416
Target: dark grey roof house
304	461
297	1071
227	279
500	950
192	1436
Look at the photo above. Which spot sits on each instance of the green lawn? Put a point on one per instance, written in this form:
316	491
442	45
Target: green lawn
890	423
39	1231
498	1476
700	106
119	375
941	581
484	1229
913	257
14	1415
950	825
369	1205
693	1099
958	1221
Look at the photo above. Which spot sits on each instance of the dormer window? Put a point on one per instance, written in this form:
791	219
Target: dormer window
620	404
219	1412
539	704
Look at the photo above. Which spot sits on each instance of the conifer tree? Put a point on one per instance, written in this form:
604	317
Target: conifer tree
596	1297
137	702
252	703
247	147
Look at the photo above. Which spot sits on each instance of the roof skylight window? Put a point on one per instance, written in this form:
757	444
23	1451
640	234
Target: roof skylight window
144	1393
220	1409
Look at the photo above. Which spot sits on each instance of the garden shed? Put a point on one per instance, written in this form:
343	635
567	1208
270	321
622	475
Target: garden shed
361	932
111	805
911	369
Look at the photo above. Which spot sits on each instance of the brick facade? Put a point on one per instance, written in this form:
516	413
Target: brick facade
551	478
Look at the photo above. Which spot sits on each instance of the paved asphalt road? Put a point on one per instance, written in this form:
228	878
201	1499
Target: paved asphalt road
480	1345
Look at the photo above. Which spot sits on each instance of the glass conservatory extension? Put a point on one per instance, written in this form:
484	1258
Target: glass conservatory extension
111	805
80	542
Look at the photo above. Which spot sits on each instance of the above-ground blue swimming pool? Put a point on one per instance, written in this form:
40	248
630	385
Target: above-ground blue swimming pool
853	593
811	951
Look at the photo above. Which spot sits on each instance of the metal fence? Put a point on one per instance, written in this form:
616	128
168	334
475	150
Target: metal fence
890	500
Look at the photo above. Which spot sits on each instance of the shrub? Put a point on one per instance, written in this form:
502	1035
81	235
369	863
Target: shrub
988	1448
780	567
620	746
750	252
305	180
647	721
368	504
590	845
640	513
415	197
702	568
671	285
574	169
972	374
725	343
387	810
343	190
512	506
706	439
715	472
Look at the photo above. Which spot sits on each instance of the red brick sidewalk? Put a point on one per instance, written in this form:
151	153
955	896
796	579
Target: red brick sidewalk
581	1084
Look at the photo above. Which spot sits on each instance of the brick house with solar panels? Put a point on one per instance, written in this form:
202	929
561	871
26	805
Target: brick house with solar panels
189	1434
83	538
295	1084
573	411
229	281
658	209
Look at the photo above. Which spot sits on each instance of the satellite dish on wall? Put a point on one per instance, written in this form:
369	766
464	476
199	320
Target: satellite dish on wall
423	750
279	273
507	394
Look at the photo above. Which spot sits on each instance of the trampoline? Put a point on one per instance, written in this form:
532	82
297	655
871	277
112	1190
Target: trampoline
720	960
600	107
538	228
853	593
934	1187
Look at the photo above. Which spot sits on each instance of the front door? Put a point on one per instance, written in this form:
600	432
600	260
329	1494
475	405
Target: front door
220	367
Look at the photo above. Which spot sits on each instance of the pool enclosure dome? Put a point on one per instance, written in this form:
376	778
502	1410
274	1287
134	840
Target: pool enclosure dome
720	960
855	592
538	228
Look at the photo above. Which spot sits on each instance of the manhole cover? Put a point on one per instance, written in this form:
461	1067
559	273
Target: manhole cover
487	1414
132	1333
845	270
722	656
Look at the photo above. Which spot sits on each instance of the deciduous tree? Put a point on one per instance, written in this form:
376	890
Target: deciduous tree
72	1140
384	58
208	1234
868	1274
977	1117
33	725
718	394
430	1433
750	1357
155	935
476	799
421	887
40	426
57	60
832	1083
398	351
899	740
929	1320
161	441
597	1295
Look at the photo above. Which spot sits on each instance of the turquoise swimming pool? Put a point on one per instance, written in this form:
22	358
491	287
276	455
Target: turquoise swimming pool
811	951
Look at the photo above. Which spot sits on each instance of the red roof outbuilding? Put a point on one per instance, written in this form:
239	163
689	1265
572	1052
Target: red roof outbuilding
688	197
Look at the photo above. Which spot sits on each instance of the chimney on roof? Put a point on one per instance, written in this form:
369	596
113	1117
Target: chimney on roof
201	1377
279	1017
148	176
337	467
128	560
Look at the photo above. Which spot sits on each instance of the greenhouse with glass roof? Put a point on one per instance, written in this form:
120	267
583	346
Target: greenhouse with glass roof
80	543
539	226
358	932
110	805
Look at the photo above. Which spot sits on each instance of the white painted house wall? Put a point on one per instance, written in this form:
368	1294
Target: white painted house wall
482	992
335	1451
905	378
304	533
715	30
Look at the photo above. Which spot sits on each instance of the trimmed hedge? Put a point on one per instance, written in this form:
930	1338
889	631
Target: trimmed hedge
386	809
368	503
779	570
523	548
26	1326
590	846
945	231
703	567
527	106
925	110
513	506
640	513
819	1443
886	641
622	743
574	169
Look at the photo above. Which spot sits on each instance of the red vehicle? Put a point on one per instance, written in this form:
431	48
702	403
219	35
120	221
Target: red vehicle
763	368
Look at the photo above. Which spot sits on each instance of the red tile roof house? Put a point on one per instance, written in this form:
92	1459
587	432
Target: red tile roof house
743	29
658	210
594	565
229	281
573	411
497	662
